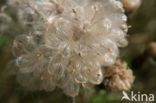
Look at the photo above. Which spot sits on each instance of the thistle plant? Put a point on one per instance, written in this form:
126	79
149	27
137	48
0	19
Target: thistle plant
67	42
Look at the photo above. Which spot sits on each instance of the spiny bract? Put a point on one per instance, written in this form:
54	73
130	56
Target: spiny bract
68	42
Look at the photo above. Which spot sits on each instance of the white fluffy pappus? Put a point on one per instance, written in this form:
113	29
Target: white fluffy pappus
69	42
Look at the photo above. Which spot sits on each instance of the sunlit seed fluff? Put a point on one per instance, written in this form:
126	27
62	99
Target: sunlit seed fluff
118	77
68	43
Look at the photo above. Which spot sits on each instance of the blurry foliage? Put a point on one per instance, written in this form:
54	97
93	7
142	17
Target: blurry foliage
102	97
143	32
3	41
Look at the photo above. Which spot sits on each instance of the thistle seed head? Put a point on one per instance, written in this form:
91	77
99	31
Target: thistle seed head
68	42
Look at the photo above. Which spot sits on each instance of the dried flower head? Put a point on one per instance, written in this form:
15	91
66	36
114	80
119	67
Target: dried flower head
118	77
68	42
131	5
152	48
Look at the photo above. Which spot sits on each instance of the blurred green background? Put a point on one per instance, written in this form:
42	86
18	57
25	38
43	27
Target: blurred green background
136	54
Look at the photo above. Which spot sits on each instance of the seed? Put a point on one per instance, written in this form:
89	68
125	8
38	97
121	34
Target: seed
98	53
74	11
82	84
39	54
89	69
129	26
73	71
80	54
